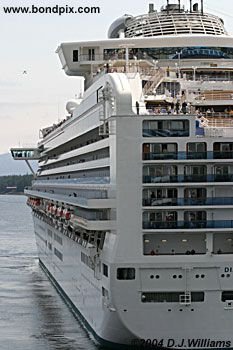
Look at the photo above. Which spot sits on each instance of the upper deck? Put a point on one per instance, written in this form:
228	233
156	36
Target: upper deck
173	33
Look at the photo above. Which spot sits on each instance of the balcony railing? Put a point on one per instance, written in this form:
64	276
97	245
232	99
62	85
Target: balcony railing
188	155
188	178
152	225
165	133
153	202
159	156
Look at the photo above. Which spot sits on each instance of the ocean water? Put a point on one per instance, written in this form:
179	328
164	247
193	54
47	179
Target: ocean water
32	314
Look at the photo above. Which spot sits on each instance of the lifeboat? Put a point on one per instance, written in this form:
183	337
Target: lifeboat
53	209
37	202
59	212
66	214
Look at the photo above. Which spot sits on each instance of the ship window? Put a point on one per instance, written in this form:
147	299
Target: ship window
105	292
169	297
105	270
75	55
91	54
58	254
227	295
126	273
50	233
196	147
165	128
57	239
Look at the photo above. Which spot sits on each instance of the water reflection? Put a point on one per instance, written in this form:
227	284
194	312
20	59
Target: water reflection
33	316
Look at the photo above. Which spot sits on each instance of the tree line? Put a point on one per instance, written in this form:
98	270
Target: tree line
14	183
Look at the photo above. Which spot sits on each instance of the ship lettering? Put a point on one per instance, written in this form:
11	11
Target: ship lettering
207	343
228	269
181	344
193	343
170	343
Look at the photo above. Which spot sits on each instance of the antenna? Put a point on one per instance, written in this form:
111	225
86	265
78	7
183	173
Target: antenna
168	7
191	6
179	5
202	8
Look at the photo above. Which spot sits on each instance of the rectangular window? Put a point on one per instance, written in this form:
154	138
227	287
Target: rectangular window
165	128
91	54
58	254
195	170
105	270
57	239
75	55
50	233
153	151
196	150
87	261
127	273
105	293
169	297
228	295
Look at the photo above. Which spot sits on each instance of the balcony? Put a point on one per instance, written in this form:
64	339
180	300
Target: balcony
160	156
153	202
155	225
188	155
187	178
25	153
165	133
93	224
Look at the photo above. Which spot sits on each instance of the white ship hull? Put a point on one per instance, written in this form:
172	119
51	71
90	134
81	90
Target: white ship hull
132	200
140	325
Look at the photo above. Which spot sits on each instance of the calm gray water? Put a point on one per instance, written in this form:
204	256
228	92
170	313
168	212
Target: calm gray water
32	314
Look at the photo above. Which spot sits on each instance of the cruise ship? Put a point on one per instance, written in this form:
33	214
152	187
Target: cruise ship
132	201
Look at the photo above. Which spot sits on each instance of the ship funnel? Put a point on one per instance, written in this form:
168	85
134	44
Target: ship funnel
151	8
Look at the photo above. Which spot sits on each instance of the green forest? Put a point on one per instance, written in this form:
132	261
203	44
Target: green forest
14	183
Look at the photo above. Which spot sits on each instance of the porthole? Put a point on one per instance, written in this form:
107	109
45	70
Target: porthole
202	276
197	276
174	276
222	275
180	276
157	277
152	276
228	275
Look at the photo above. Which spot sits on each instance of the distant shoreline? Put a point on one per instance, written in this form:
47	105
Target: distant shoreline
13	193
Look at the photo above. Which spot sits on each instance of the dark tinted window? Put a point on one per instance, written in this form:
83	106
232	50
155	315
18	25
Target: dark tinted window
126	273
227	295
169	297
75	55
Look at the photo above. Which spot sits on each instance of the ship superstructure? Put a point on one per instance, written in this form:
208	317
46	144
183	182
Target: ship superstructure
132	201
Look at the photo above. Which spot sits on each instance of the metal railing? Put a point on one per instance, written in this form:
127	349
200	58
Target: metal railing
152	202
188	155
165	133
215	95
187	224
187	178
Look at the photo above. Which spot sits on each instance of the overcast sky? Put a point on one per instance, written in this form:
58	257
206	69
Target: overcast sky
37	99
